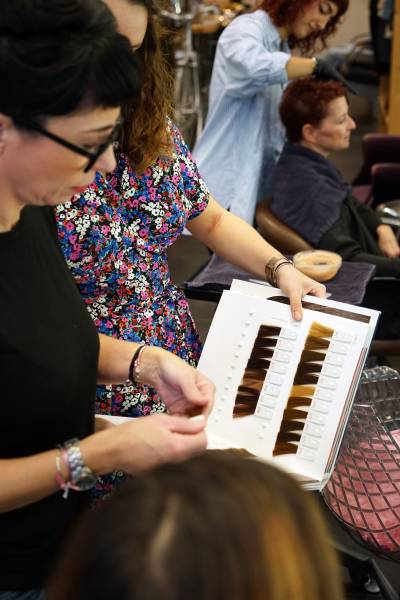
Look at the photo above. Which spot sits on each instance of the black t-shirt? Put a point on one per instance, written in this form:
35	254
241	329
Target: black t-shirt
48	364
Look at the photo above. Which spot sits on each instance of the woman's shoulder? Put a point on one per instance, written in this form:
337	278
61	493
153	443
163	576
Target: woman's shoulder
258	19
179	145
249	27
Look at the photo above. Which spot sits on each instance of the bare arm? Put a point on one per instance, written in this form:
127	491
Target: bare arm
300	67
131	447
237	242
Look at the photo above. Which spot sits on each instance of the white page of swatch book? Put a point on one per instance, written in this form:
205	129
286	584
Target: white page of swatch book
226	352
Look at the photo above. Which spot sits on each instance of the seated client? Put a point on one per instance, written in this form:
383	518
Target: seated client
310	195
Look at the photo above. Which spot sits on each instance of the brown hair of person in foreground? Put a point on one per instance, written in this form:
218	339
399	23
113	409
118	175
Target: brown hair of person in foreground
217	527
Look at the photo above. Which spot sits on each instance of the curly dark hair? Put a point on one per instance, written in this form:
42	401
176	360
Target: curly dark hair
283	12
306	101
144	134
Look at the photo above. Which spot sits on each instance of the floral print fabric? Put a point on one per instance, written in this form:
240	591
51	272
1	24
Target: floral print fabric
114	237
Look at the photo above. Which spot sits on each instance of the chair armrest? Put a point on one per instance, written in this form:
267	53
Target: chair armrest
277	233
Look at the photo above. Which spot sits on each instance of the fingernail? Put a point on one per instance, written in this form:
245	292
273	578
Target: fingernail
198	418
297	315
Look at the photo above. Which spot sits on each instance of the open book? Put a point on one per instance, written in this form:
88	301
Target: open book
284	388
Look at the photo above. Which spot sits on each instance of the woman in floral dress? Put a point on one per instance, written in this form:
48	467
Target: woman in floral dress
115	234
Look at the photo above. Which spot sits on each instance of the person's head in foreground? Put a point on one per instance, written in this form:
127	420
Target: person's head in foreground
218	527
316	115
64	73
306	23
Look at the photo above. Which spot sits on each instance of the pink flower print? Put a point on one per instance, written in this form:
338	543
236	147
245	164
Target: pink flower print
176	179
69	226
108	324
149	183
183	303
142	233
105	230
118	398
148	172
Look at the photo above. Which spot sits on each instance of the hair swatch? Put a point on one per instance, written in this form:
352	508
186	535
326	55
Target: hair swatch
303	389
256	369
328	310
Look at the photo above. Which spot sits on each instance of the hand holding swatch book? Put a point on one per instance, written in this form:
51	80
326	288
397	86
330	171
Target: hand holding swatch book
284	388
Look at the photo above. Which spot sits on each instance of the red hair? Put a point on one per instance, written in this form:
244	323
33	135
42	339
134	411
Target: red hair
283	12
307	101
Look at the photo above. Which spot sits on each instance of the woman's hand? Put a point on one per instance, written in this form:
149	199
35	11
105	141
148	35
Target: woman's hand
100	423
144	443
295	285
387	241
182	388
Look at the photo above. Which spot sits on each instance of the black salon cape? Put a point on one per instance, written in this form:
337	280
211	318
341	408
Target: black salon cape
311	197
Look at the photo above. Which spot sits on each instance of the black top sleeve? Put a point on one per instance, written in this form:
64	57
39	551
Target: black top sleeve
48	364
340	239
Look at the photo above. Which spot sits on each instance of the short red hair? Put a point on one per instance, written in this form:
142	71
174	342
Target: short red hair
307	101
283	12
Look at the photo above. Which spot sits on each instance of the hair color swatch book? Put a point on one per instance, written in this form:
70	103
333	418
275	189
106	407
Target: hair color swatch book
285	388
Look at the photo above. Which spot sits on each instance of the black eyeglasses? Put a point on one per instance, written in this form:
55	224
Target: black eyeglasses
92	156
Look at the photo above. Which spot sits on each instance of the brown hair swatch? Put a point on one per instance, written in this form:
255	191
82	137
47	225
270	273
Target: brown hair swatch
256	370
303	389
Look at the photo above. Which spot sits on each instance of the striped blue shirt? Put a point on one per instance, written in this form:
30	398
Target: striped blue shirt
243	135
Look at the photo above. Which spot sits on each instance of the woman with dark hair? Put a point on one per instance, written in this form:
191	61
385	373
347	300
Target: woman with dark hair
243	136
219	527
116	234
58	118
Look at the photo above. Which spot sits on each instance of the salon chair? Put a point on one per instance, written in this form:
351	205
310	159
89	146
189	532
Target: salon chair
379	177
287	241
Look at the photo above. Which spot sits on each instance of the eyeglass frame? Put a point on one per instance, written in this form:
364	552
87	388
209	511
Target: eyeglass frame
92	156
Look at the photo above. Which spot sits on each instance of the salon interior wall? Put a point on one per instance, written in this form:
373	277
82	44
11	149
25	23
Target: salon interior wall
356	22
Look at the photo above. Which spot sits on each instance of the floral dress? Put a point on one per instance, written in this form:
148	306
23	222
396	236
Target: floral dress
114	237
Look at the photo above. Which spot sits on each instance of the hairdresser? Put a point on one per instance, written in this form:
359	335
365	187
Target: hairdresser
58	115
243	136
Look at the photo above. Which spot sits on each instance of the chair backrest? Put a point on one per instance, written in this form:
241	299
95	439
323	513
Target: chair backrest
277	233
377	148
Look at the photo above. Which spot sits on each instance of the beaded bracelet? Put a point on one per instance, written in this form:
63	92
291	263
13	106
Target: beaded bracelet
134	367
64	485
